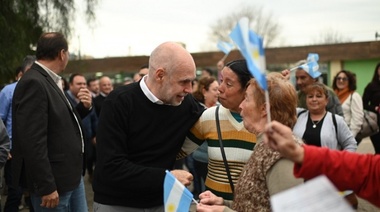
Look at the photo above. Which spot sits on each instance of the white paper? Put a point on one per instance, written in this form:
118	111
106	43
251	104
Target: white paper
318	194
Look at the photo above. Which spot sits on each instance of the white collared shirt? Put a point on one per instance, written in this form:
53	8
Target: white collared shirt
56	78
148	93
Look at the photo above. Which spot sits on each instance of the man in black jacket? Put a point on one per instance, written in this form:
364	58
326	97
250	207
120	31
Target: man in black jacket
47	134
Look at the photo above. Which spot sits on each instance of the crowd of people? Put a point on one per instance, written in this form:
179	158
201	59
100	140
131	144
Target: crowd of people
56	131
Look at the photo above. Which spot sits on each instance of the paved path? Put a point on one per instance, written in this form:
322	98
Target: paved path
366	147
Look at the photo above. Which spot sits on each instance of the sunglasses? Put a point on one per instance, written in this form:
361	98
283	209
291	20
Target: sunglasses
342	79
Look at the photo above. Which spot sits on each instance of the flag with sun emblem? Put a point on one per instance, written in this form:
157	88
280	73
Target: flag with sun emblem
251	47
177	197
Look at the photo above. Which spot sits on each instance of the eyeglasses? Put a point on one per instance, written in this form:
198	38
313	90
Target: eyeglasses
342	79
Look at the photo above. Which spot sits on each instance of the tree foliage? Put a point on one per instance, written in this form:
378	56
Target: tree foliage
23	21
262	24
331	36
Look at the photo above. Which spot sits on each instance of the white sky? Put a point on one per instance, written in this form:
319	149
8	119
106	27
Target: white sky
136	27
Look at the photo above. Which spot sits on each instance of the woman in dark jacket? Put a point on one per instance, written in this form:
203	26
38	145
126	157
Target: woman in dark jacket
371	102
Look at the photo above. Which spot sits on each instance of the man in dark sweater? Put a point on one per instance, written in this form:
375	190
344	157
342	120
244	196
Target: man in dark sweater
105	87
141	129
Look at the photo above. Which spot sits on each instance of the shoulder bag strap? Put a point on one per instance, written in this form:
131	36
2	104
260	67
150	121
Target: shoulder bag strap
303	111
222	148
336	126
351	104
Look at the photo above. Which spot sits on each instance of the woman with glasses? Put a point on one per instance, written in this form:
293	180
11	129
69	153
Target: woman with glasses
344	85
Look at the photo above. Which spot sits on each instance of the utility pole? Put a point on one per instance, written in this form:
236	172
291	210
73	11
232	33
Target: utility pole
79	55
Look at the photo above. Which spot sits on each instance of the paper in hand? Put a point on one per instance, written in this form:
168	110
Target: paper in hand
318	194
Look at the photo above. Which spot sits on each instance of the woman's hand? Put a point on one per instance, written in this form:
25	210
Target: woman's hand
208	198
210	208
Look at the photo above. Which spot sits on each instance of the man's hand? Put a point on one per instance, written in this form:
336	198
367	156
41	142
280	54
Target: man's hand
286	73
85	97
220	65
183	176
50	200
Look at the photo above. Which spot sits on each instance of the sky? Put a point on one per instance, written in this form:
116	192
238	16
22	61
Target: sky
136	27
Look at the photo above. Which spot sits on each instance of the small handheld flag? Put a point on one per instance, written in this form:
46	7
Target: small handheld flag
225	46
251	47
312	57
176	196
311	66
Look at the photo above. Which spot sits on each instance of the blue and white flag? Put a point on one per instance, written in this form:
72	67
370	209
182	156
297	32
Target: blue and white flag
312	57
225	46
311	66
251	47
177	197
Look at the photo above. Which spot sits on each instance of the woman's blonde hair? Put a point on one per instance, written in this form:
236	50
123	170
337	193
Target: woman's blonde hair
282	98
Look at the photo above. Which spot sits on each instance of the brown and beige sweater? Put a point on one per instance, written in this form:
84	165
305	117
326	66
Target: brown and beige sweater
263	172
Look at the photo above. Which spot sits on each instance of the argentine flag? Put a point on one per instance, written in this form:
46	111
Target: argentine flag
312	57
177	197
225	46
251	47
311	66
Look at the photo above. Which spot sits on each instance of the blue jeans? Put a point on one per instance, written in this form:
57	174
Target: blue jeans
72	201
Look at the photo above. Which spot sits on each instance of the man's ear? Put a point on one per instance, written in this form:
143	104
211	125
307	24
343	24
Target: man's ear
159	74
62	54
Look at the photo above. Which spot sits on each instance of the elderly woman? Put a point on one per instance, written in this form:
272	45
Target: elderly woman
265	173
318	127
237	142
344	85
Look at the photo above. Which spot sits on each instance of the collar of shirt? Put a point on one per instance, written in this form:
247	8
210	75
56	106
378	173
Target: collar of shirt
148	93
72	96
56	78
102	94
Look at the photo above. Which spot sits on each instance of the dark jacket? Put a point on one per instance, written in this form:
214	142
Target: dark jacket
47	141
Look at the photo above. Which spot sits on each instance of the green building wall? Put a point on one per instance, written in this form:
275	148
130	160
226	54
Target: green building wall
364	70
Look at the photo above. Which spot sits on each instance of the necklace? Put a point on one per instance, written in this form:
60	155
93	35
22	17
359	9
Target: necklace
315	123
